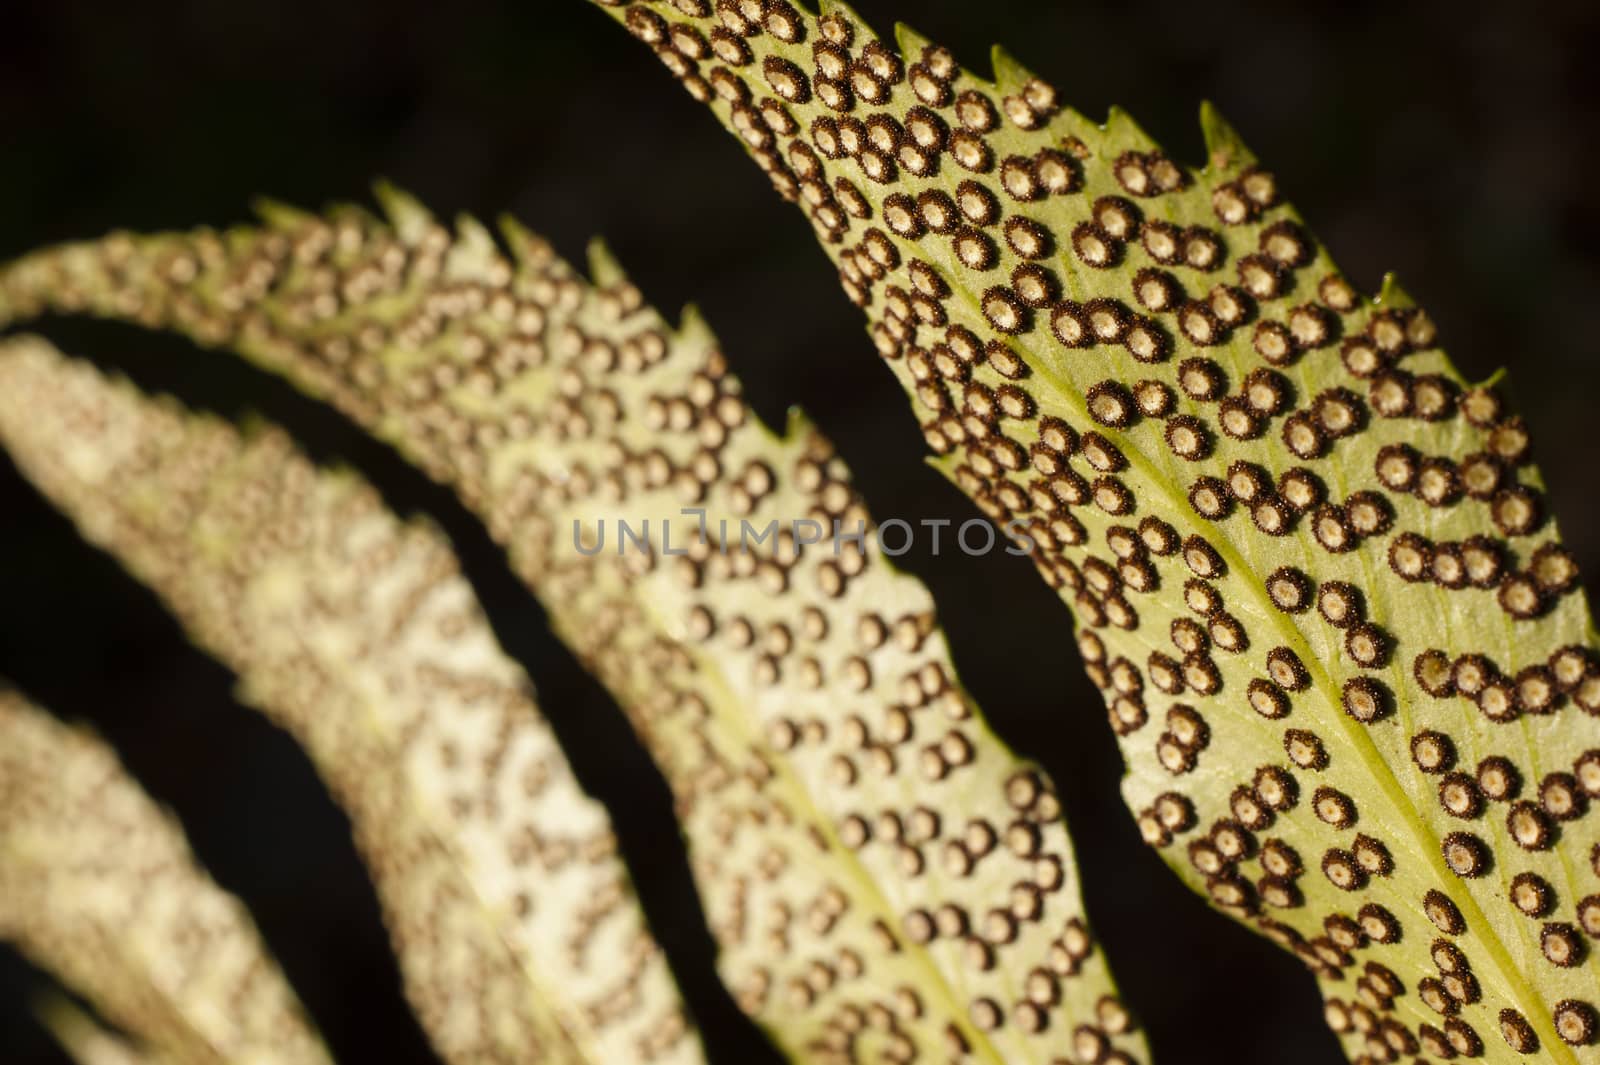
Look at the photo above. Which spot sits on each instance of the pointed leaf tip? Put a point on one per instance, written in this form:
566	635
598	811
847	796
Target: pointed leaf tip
1392	294
277	213
1010	74
796	422
909	41
604	269
473	233
1225	149
405	212
692	325
527	247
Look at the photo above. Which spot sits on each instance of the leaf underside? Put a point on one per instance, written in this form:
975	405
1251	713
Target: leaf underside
1310	566
886	881
98	885
518	934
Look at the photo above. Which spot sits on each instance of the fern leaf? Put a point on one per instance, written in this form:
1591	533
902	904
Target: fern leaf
518	933
883	876
1309	563
97	885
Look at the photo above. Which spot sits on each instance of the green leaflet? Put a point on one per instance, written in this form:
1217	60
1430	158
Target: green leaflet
98	885
1309	565
885	879
517	931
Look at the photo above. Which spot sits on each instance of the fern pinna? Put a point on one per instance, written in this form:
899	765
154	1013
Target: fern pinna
1310	566
1344	652
883	876
98	886
517	932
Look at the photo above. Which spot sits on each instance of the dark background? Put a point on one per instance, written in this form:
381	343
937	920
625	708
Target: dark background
1459	150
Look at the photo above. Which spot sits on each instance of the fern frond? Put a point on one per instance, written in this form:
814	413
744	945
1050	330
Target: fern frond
99	887
884	877
517	931
1310	564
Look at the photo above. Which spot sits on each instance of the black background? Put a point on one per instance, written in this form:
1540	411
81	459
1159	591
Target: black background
1459	150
